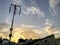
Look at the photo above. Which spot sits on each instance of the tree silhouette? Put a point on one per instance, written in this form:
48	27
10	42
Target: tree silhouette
0	39
21	40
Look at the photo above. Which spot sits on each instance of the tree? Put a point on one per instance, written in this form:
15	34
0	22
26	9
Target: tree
0	39
21	40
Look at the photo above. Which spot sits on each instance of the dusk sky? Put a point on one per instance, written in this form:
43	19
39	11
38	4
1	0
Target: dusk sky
38	18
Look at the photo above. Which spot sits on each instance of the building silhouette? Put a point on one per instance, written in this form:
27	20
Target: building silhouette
48	40
58	41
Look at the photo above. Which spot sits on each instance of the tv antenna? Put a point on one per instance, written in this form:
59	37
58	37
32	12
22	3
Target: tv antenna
14	13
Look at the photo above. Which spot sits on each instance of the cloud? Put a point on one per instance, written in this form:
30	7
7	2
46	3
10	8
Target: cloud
18	2
50	28
30	34
54	6
4	30
23	25
49	22
23	31
23	2
33	11
26	10
3	25
28	31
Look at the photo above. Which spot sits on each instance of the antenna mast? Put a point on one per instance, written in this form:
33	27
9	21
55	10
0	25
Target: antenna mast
14	13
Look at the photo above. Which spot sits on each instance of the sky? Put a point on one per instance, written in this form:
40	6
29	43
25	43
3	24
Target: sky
38	18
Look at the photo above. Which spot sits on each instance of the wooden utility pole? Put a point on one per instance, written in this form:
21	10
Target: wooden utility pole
14	13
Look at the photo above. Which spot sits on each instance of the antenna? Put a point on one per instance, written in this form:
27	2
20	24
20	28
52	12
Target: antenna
14	13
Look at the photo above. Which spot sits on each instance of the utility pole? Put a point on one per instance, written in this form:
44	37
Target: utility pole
14	13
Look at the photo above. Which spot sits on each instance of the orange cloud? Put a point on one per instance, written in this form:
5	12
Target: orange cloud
27	32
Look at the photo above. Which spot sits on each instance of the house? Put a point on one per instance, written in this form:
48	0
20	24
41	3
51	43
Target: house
5	41
49	40
58	41
24	41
